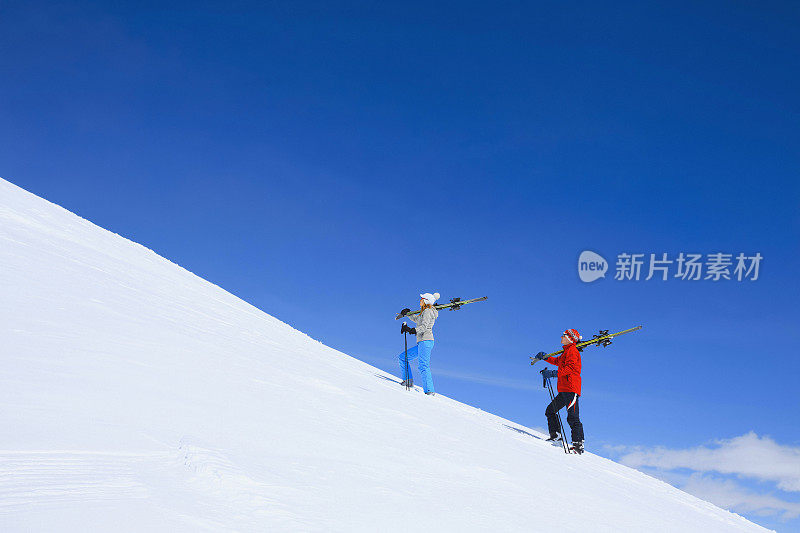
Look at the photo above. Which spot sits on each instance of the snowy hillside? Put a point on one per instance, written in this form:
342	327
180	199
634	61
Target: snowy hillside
135	396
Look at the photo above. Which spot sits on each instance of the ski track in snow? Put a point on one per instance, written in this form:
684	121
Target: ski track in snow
63	477
135	396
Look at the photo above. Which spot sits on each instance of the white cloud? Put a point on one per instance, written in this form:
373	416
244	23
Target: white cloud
729	495
748	455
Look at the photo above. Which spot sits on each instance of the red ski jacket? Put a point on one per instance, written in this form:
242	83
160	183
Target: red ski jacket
569	369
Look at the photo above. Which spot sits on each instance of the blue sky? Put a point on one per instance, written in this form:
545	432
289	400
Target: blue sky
328	162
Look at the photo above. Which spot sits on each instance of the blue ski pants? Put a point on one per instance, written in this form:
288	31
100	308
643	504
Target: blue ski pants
423	351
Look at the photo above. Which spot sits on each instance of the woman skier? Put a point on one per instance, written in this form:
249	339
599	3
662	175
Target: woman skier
424	333
569	389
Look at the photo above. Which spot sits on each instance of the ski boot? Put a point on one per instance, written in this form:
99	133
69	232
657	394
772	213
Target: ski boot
407	383
577	447
554	438
431	393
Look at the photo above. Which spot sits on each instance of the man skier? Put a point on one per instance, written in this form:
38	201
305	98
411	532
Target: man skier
569	389
424	333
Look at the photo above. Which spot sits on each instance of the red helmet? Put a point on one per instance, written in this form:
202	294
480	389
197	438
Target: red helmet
573	335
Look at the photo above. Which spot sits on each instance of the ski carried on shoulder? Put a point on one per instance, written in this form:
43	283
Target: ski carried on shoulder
454	304
603	338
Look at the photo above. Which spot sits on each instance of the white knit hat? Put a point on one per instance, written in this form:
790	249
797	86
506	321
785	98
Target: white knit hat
430	298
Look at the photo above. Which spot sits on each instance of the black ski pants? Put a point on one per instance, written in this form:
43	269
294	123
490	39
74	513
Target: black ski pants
570	401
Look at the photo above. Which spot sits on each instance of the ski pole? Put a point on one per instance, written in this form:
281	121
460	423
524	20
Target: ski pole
560	421
405	345
558	414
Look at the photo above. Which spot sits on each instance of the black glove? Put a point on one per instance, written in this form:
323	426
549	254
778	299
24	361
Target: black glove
539	356
547	374
406	329
405	311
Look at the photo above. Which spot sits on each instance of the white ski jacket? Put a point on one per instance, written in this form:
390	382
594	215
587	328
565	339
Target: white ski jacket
424	322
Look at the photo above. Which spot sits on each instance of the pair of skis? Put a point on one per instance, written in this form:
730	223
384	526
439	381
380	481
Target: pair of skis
454	305
603	338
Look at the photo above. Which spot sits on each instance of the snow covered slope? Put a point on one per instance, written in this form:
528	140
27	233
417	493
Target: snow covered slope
135	396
